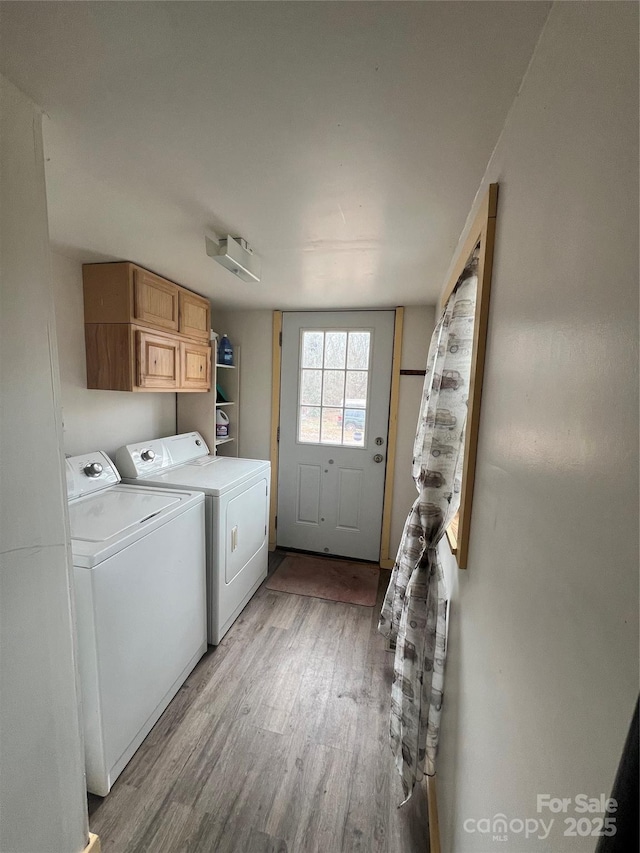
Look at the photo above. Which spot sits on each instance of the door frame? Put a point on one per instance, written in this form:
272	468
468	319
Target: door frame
276	364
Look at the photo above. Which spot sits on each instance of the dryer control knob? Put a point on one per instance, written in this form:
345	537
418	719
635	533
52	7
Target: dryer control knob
93	469
147	455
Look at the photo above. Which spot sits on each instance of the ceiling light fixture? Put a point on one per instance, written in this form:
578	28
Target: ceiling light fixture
236	255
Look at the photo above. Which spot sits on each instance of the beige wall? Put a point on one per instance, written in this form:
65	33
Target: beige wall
43	803
542	668
252	330
97	420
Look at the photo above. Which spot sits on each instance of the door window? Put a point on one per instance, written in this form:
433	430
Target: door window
333	386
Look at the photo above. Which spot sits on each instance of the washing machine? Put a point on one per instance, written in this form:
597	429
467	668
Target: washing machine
139	561
237	512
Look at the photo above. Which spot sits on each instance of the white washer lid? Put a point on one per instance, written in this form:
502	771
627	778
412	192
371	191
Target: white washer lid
115	512
104	523
214	475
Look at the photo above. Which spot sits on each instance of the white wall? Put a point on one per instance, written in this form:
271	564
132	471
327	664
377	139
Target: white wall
253	331
542	669
42	796
97	420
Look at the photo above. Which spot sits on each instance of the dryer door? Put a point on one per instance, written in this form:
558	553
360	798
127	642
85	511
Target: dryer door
245	527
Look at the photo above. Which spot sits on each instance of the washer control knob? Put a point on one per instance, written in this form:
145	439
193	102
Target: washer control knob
147	455
93	469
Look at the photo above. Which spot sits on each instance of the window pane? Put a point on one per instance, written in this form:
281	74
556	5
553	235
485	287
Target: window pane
331	426
359	350
309	424
335	350
334	382
311	388
333	389
354	426
356	388
312	347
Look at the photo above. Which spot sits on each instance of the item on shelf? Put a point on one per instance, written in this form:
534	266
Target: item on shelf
225	351
221	397
222	424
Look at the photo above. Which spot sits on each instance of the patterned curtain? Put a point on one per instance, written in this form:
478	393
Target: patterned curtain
414	612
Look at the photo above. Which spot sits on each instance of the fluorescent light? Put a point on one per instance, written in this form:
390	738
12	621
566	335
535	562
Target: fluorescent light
235	254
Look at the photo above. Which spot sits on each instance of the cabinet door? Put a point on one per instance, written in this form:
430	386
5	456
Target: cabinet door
195	315
158	361
155	301
195	366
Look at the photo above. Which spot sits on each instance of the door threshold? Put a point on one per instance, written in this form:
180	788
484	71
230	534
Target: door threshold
328	556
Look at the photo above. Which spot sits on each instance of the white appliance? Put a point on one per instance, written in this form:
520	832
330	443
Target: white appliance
139	577
237	510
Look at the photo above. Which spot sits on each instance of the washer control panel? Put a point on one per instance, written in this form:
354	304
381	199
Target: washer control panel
89	473
158	455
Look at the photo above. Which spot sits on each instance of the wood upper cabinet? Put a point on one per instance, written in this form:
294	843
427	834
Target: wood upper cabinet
155	300
127	293
110	356
195	366
158	361
143	332
195	315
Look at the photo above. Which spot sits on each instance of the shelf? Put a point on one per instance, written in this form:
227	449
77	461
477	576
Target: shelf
199	411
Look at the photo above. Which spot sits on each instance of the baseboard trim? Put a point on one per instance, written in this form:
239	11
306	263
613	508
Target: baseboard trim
94	844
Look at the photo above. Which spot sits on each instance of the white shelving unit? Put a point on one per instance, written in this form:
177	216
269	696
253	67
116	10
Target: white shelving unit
198	411
228	381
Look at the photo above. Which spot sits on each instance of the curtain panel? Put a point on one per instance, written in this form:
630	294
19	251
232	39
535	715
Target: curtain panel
414	612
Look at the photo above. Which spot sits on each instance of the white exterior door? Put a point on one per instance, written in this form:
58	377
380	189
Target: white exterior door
334	418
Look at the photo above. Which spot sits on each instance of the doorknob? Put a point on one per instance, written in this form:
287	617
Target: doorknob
378	457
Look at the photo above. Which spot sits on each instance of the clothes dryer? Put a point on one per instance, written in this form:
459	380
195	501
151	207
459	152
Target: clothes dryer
237	509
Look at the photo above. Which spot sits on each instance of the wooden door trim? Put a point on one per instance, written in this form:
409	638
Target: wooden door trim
482	232
94	844
432	810
386	562
276	362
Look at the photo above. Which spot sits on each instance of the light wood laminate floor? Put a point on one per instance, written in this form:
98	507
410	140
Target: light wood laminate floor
276	743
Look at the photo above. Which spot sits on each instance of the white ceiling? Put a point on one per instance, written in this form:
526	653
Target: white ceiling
344	140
